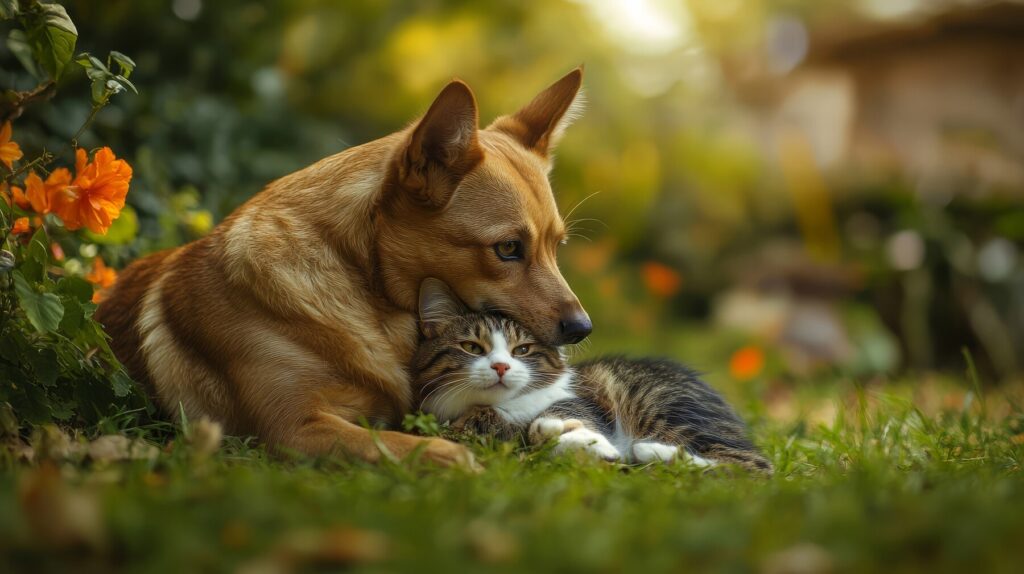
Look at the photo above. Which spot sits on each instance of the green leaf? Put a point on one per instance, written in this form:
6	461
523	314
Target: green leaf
35	258
9	9
74	314
13	345
53	36
113	86
99	92
62	410
44	310
126	84
127	64
97	65
45	366
18	44
122	384
75	287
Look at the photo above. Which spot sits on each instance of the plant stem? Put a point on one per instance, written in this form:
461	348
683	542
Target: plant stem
85	125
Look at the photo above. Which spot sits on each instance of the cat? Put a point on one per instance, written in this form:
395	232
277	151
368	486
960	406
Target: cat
486	373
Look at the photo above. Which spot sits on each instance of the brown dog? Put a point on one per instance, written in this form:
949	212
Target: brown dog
295	319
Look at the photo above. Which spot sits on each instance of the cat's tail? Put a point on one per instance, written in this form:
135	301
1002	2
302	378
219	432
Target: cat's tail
748	458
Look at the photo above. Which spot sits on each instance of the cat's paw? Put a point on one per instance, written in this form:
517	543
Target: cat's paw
589	442
545	428
645	452
698	461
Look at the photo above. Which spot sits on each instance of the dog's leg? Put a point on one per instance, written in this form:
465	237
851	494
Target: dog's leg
323	415
328	433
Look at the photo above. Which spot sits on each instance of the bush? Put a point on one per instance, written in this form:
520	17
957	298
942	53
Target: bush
55	363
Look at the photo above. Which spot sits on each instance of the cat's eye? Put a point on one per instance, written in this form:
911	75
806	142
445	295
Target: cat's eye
521	351
509	250
471	348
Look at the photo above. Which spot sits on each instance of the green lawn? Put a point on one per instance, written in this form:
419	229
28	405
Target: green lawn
892	480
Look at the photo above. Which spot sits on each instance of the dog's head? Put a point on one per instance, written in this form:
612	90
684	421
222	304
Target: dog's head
474	208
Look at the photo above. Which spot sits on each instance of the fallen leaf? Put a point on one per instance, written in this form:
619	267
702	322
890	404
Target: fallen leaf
490	543
114	447
49	442
205	437
339	546
57	515
803	558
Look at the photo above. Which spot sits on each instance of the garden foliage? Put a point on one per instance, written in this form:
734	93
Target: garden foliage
55	363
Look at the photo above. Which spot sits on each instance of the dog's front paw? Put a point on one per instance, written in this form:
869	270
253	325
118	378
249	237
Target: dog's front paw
446	453
588	442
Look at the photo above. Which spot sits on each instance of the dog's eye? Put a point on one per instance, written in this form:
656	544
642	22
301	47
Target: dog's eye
471	348
521	350
509	250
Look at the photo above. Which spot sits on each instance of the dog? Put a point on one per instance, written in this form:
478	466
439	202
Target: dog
294	319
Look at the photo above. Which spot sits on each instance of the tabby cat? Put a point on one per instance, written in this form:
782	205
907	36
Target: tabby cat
487	374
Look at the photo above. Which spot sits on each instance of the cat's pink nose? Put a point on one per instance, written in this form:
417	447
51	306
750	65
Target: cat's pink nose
500	368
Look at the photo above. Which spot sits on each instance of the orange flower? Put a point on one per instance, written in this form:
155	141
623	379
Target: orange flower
18	195
661	279
746	363
9	151
96	195
20	226
41	194
101	275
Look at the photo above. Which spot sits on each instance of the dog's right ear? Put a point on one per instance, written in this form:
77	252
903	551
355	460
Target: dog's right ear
438	306
541	123
442	148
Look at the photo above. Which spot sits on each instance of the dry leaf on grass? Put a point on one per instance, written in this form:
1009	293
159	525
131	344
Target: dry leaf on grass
57	515
114	447
204	437
803	558
490	543
339	546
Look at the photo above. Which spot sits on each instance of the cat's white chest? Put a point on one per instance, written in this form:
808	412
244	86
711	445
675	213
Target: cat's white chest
525	407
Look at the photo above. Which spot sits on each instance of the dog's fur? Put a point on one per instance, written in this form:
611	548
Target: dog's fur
295	319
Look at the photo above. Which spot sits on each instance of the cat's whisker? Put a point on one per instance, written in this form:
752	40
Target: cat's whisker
447	385
453	390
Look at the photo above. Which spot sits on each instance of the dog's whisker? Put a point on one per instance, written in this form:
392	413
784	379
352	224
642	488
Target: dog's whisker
578	204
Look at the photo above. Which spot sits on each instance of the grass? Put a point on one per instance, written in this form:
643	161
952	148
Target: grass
895	478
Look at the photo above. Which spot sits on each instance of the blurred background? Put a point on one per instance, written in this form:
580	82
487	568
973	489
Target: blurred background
768	190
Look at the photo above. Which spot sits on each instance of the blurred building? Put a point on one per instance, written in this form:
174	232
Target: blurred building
937	95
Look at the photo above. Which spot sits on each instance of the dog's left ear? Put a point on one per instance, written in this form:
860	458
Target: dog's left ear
442	148
540	124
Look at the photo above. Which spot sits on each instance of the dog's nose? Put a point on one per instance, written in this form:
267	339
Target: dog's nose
574	329
500	368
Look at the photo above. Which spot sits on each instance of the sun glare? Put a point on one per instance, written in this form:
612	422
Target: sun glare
642	26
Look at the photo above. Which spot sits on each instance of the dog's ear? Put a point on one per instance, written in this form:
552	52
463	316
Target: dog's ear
438	306
540	124
442	148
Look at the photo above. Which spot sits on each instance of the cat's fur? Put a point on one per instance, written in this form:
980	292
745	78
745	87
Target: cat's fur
635	410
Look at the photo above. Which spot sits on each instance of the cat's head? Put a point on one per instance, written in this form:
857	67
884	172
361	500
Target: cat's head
467	358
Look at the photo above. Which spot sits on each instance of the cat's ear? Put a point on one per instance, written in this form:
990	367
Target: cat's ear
438	306
541	123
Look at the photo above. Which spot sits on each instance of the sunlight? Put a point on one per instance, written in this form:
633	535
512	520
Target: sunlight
642	26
